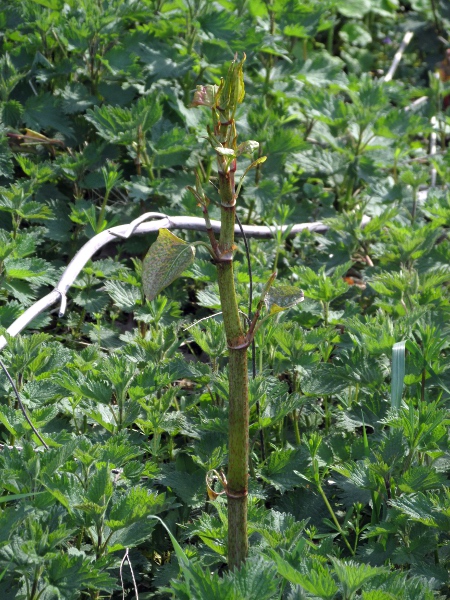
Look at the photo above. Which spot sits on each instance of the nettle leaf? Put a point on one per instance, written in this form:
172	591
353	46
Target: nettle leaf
354	9
322	70
100	487
256	580
45	111
52	4
377	595
352	575
67	574
134	506
166	260
325	378
120	125
36	269
6	164
419	508
91	300
172	148
76	98
419	479
317	581
130	536
282	297
190	487
280	469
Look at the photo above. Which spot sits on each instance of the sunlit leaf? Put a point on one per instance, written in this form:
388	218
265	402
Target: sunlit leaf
282	297
167	258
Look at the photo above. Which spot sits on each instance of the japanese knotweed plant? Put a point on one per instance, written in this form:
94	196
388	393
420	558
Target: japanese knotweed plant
169	256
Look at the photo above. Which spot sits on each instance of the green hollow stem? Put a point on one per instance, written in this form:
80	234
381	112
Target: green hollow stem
334	518
101	215
238	419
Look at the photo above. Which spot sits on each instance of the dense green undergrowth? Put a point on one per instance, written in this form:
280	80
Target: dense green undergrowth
349	493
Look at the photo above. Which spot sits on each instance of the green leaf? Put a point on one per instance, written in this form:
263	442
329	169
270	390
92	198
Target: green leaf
181	556
124	295
279	470
378	595
12	112
17	497
282	297
100	487
121	125
323	69
355	34
255	580
166	260
325	378
420	478
67	574
355	9
36	269
317	581
52	4
6	164
352	575
45	111
190	487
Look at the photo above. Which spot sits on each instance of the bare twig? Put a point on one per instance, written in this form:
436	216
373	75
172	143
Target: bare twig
416	103
202	319
124	231
22	407
398	56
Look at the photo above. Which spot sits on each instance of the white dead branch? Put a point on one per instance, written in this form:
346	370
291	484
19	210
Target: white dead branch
139	226
398	56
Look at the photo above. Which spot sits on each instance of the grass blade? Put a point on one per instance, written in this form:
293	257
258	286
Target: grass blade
398	373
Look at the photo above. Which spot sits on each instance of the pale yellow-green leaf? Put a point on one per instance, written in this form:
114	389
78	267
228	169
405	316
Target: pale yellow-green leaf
282	297
167	258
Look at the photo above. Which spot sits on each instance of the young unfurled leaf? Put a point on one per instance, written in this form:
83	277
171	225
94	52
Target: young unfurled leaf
282	297
167	258
225	151
254	164
247	147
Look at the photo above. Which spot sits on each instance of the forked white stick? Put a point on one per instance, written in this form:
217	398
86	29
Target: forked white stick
123	232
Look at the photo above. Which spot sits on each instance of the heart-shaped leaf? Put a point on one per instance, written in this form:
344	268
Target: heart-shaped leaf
282	297
167	258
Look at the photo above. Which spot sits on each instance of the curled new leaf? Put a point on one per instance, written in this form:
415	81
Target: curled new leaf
225	151
231	91
282	297
167	258
247	147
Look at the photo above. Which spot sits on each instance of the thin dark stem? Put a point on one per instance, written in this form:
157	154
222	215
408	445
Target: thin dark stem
435	16
250	302
249	268
22	407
